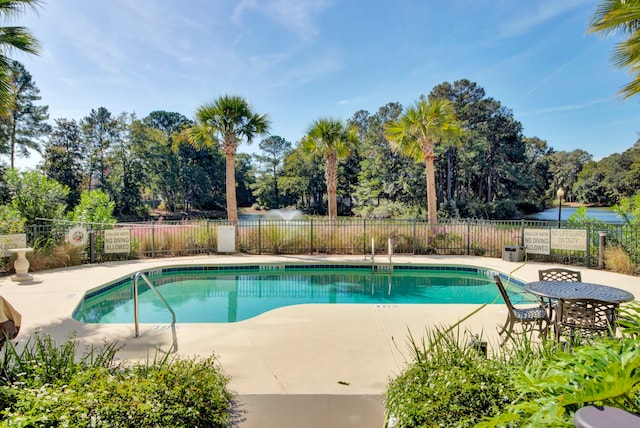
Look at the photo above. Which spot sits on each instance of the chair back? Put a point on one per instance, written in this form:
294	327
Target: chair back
586	317
503	292
559	274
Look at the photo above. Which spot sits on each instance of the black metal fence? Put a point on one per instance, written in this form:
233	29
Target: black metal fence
344	236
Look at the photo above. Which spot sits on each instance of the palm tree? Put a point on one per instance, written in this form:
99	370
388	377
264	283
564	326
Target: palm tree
229	119
622	17
417	132
13	38
333	140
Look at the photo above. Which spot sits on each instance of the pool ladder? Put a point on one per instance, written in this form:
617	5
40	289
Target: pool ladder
136	278
386	268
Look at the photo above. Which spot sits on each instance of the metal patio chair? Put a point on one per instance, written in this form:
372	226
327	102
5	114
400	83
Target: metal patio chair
559	274
586	318
529	318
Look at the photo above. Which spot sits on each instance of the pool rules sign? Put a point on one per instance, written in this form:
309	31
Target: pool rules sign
117	241
541	241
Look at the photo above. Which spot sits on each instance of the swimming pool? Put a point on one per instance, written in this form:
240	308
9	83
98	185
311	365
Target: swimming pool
224	294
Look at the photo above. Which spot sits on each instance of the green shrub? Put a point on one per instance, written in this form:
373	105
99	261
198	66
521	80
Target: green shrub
11	221
45	385
460	394
449	383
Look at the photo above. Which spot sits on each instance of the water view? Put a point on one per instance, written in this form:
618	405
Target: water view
603	214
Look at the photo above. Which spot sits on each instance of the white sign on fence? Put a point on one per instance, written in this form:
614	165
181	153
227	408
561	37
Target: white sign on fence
8	242
77	236
117	240
569	239
226	239
537	241
542	241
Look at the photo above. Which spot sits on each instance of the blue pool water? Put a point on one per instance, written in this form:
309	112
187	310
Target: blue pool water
217	294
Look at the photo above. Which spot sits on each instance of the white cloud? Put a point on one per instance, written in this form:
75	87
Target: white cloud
530	15
296	16
565	108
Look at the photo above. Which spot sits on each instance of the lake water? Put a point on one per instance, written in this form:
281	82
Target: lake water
603	214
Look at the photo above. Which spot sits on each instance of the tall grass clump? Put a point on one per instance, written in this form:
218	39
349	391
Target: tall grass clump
51	257
617	260
47	385
337	237
174	239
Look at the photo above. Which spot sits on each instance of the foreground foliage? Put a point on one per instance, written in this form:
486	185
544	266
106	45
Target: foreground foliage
448	384
45	385
522	385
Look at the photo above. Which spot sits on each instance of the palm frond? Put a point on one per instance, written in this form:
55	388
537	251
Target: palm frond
18	38
329	135
9	8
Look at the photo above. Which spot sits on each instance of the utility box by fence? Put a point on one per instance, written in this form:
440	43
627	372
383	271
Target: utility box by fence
513	253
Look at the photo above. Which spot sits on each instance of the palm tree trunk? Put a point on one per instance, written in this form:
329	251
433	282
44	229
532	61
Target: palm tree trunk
275	186
230	182
432	197
449	173
331	176
432	209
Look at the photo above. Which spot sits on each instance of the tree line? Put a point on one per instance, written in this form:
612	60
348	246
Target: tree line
489	170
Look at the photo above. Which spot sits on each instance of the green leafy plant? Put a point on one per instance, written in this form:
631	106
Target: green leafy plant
603	372
47	385
94	207
35	196
11	221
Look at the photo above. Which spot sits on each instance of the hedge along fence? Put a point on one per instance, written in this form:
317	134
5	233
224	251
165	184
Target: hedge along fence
343	236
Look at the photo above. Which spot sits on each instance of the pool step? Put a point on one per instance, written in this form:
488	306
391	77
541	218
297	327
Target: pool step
382	268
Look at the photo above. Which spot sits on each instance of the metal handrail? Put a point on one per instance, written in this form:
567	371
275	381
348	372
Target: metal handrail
389	266
135	301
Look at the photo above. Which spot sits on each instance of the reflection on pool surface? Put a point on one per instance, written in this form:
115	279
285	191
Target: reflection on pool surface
216	294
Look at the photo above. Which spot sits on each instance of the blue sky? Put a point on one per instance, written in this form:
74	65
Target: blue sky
305	59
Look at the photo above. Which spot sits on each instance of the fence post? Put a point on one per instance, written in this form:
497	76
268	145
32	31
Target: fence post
468	237
415	236
259	236
92	245
153	240
603	244
588	261
364	240
311	236
34	234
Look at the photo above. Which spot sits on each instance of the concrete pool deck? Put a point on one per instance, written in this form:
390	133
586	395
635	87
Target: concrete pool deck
308	365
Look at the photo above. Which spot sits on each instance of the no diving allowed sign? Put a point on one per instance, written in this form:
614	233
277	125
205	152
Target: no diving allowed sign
542	241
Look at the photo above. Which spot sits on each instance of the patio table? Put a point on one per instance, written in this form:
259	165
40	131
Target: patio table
576	291
562	290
